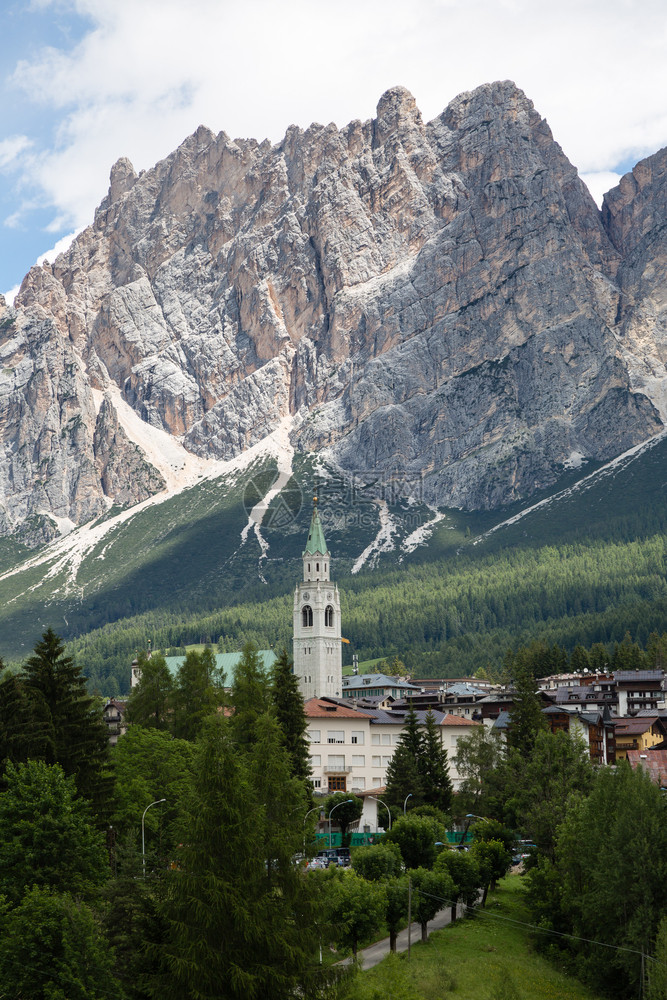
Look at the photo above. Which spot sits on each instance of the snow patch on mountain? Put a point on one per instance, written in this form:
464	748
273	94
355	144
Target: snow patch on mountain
422	534
383	541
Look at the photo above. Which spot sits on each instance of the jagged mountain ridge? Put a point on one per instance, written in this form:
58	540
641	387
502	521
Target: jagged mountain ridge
438	303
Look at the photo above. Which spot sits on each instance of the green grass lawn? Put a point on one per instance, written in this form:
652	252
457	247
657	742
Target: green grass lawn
485	958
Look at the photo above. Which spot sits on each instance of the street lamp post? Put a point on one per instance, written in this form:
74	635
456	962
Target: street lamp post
332	811
304	824
385	805
469	816
143	834
408	796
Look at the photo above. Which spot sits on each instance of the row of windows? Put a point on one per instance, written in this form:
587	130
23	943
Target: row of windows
336	736
377	739
338	783
356	760
307	616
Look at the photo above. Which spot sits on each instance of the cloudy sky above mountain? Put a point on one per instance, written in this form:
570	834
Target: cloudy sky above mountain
84	82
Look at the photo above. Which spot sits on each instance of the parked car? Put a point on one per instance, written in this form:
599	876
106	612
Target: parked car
336	855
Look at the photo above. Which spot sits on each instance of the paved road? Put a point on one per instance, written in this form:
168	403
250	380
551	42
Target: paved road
370	956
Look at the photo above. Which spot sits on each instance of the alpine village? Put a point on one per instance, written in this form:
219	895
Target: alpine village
333	574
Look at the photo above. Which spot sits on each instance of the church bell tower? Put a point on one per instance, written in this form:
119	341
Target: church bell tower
317	639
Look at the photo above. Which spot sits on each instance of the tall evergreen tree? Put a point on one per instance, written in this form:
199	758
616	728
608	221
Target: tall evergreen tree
240	918
288	703
251	696
72	728
433	766
526	719
150	702
403	774
198	693
25	733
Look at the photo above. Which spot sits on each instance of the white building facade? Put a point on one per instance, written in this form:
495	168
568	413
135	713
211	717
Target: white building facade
351	749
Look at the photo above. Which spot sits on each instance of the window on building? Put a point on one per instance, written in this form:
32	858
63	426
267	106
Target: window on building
317	568
377	781
317	782
375	739
396	738
386	739
337	783
328	616
377	761
359	783
358	738
306	616
336	761
314	735
315	760
335	736
385	761
358	760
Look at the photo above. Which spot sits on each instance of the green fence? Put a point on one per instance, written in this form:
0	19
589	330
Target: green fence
359	839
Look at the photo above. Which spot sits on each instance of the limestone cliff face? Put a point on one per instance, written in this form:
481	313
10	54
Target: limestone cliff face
441	301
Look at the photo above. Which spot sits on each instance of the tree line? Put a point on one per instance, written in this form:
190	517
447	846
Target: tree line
444	618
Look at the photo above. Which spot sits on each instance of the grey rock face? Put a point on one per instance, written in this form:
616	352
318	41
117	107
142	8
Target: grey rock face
442	299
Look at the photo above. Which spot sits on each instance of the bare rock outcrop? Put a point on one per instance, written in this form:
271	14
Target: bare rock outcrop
440	300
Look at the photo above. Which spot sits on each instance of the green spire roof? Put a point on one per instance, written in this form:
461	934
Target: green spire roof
316	541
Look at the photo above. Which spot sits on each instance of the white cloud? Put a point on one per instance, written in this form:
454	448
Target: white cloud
11	295
148	73
11	149
61	246
599	183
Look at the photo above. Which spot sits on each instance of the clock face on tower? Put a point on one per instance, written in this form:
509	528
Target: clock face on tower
329	597
306	596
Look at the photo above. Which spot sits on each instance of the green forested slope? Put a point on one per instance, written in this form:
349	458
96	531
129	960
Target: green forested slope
585	567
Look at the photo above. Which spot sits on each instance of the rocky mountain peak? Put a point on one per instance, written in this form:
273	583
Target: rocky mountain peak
122	178
438	304
396	111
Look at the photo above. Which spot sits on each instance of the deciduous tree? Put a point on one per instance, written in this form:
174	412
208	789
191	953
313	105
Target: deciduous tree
52	948
432	890
46	835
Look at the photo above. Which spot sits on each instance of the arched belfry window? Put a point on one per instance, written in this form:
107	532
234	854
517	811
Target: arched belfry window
328	616
306	615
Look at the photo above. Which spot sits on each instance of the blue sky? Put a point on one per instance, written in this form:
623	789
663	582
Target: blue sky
84	82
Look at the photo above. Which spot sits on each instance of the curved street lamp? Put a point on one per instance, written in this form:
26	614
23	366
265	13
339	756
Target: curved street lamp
332	811
385	805
304	824
143	835
408	796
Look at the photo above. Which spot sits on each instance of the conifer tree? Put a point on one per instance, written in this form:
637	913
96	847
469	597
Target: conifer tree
72	729
198	692
526	719
433	766
240	918
288	702
150	702
403	774
250	696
